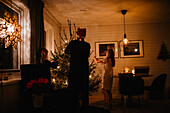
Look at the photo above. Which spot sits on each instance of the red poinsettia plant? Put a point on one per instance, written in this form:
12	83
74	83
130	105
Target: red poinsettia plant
39	86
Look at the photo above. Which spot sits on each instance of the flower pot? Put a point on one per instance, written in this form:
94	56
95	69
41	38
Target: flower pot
38	100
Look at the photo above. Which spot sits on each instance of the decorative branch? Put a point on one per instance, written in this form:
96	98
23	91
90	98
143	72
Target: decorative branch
59	50
74	29
91	53
69	24
65	34
61	37
74	32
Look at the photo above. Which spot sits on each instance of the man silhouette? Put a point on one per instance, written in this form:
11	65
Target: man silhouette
78	78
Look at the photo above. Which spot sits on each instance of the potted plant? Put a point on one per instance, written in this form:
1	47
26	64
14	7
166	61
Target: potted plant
38	88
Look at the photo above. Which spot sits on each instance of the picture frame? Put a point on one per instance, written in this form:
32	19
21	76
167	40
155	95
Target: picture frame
101	47
134	48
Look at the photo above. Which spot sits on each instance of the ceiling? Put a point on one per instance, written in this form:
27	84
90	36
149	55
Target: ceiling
108	12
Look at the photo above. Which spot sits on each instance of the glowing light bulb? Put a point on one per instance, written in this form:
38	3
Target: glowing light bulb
116	50
90	76
58	67
125	41
53	79
65	41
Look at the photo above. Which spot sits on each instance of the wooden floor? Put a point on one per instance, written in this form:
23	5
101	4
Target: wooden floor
145	106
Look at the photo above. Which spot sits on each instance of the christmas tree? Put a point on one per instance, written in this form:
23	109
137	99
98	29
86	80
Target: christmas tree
60	74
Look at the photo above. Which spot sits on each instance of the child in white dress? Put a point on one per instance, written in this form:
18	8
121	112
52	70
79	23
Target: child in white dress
107	75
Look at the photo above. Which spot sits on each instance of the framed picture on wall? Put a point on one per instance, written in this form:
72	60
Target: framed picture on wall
101	48
134	48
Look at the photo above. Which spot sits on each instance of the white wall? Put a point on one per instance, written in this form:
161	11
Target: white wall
52	28
152	34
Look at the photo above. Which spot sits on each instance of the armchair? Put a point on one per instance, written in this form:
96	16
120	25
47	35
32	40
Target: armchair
156	90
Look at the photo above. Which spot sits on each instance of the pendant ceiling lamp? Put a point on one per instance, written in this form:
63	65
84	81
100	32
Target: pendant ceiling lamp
125	40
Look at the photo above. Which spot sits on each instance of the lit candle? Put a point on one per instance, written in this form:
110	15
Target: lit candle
133	71
126	70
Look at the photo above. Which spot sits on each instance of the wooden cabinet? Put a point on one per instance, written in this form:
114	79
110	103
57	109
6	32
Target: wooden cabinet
10	98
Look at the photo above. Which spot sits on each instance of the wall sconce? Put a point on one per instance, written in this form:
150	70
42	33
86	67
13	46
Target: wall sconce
125	40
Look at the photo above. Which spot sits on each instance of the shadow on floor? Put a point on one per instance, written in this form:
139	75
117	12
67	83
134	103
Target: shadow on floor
151	106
